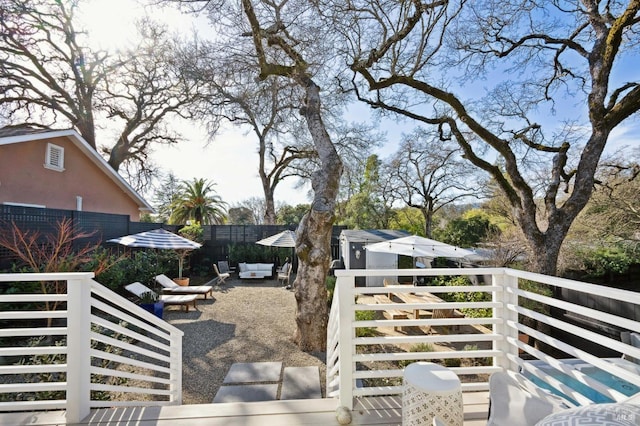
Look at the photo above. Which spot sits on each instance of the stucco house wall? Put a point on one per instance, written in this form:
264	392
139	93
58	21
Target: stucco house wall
83	183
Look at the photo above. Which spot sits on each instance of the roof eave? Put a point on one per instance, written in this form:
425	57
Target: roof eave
93	155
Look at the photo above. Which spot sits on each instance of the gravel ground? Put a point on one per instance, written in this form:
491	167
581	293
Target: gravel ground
247	321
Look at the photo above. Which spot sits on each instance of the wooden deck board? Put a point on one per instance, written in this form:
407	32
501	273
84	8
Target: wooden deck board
367	411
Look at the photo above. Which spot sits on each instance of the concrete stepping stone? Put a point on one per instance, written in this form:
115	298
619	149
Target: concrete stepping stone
246	393
254	372
301	383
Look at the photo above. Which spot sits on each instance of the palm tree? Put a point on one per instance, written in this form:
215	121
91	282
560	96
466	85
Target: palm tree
197	201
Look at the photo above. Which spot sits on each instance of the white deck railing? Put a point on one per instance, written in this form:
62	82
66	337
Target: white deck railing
354	363
97	350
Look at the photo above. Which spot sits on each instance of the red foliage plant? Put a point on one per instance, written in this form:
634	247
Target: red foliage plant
49	252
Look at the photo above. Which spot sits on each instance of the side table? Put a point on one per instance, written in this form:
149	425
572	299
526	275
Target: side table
431	390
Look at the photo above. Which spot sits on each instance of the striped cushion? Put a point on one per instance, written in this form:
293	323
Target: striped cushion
620	414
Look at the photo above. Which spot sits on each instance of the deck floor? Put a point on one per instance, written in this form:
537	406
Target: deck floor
318	412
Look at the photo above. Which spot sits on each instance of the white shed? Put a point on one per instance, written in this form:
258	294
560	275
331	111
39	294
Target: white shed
355	257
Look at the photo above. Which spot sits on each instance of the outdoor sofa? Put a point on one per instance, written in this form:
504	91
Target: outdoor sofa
255	270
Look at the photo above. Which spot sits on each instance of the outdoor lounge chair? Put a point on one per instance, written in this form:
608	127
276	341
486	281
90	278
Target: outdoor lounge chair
221	276
185	300
170	287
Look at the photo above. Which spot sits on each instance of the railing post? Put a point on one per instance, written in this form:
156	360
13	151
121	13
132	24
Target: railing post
346	334
78	347
176	370
505	297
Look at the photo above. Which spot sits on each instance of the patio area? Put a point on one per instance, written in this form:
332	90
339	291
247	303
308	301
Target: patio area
247	321
200	347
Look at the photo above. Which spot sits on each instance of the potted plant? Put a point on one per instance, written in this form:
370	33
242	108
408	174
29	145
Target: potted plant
151	302
194	232
182	255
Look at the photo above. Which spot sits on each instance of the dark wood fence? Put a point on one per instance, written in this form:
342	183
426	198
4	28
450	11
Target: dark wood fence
219	240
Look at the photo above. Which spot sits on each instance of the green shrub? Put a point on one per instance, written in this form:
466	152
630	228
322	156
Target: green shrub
476	361
255	253
142	266
420	347
476	296
114	275
365	316
606	261
466	231
193	232
50	359
452	362
330	282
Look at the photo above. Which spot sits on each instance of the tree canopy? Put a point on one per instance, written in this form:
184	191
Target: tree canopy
429	174
121	103
505	80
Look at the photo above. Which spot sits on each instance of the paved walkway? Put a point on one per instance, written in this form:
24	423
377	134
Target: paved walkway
267	381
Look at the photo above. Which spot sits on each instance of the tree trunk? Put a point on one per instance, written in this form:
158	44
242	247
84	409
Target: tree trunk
545	255
270	217
428	221
118	153
313	239
545	246
87	130
313	247
269	205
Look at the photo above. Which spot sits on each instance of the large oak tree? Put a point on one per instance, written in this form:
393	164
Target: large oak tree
50	76
506	80
285	43
264	107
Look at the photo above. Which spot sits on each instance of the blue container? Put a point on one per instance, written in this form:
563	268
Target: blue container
156	308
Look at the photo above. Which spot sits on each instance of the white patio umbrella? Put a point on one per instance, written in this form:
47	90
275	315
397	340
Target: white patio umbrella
416	246
159	239
281	239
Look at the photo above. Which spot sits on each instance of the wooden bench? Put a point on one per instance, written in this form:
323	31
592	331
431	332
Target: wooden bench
392	314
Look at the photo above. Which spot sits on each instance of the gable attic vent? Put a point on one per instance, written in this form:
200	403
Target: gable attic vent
55	157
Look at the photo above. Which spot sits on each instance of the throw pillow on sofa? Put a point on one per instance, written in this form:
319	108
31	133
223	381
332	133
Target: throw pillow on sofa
620	414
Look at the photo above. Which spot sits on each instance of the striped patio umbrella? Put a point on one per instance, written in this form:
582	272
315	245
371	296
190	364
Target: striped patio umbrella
282	239
158	239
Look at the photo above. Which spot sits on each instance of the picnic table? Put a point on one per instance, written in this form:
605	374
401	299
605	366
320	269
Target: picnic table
422	298
392	314
415	298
